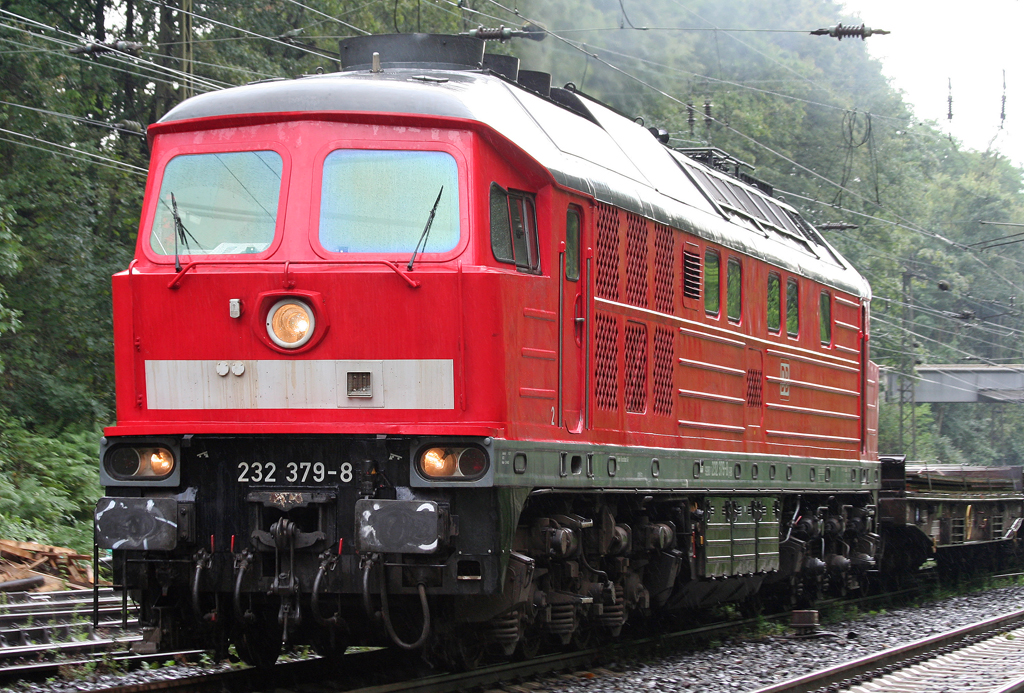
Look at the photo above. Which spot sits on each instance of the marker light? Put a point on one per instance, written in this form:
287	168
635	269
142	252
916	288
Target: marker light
472	461
126	462
290	323
455	463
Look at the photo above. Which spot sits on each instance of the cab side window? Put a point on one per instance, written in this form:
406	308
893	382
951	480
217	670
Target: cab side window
514	229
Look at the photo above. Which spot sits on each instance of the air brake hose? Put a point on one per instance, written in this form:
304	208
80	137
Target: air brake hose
315	600
243	617
195	589
385	611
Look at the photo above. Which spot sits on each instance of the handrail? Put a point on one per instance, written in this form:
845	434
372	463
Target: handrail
390	264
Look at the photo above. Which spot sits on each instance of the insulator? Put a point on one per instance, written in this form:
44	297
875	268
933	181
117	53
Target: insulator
100	48
503	33
840	32
691	116
707	112
130	126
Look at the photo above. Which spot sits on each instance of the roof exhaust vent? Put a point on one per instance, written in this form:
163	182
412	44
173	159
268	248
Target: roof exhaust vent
424	51
539	82
505	65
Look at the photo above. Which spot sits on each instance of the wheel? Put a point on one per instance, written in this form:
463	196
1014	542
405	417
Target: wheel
528	646
258	645
583	638
466	652
331	643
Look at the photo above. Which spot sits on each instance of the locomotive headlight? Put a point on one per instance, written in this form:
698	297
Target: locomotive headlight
455	463
161	462
438	462
290	323
128	463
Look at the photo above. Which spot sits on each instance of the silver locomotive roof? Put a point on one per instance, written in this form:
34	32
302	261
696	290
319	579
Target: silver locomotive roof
585	146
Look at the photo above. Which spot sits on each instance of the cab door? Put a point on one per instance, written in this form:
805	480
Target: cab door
572	324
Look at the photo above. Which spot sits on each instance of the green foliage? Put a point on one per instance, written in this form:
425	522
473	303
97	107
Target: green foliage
48	486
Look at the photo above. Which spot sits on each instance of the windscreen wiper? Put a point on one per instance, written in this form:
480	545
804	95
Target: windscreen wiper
180	230
426	231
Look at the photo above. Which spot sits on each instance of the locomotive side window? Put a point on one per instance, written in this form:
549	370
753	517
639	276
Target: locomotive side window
379	201
712	289
217	204
792	308
825	317
572	245
734	290
774	302
501	239
514	229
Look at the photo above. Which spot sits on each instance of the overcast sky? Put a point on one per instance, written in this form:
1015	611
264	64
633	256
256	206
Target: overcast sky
970	43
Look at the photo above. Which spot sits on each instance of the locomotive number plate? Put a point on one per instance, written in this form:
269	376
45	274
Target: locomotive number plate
292	473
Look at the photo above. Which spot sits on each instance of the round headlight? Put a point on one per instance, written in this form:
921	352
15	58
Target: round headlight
161	461
290	323
438	462
472	462
125	461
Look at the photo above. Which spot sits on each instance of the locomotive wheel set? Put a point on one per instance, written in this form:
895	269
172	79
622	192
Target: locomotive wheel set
428	352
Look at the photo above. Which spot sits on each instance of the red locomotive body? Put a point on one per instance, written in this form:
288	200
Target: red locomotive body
482	346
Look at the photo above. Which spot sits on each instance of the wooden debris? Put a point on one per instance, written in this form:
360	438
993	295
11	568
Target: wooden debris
60	567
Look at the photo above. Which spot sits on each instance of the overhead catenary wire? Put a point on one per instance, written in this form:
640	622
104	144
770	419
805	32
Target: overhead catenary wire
332	18
75	41
76	150
120	166
252	33
142	66
104	65
68	116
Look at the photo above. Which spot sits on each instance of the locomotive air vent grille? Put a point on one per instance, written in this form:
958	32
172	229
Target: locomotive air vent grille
636	367
606	376
664	354
691	275
754	387
607	279
664	282
636	260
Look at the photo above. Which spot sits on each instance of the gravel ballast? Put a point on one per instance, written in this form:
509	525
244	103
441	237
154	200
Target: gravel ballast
749	664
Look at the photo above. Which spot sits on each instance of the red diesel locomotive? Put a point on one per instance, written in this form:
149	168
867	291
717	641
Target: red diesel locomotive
428	351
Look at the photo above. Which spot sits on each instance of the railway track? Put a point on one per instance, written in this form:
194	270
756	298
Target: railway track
362	672
57	627
987	656
386	671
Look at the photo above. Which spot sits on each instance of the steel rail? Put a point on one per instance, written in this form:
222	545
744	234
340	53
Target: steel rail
890	657
40	669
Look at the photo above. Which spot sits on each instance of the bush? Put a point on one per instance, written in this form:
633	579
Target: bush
48	486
